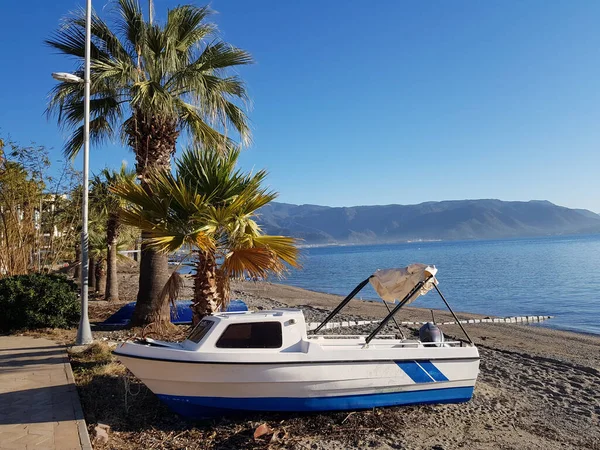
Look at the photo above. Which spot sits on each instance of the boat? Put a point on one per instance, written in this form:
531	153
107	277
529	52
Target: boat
267	361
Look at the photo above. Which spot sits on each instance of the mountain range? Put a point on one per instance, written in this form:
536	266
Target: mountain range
445	220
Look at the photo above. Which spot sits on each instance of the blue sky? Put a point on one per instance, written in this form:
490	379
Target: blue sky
379	102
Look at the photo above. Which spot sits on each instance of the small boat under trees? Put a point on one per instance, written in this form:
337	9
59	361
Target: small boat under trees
267	361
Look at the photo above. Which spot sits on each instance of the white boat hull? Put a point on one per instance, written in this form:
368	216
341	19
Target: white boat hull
264	361
201	389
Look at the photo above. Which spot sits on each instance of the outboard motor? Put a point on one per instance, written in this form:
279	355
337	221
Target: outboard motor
430	332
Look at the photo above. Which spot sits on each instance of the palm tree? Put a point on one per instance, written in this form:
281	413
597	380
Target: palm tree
106	205
208	208
99	261
149	84
97	250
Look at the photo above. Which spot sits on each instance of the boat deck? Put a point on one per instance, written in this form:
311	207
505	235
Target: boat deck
333	342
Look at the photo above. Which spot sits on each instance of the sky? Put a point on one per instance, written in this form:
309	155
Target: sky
383	102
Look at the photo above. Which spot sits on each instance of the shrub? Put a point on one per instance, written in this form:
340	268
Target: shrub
37	301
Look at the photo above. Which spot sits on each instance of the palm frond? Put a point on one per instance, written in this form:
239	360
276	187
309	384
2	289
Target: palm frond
172	288
70	38
186	27
193	122
175	72
131	25
251	199
108	108
256	262
168	240
100	131
142	198
171	213
168	243
137	219
103	36
236	117
283	247
102	199
220	55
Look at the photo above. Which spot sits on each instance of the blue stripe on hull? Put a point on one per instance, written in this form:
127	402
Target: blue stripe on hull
415	371
422	371
432	370
203	407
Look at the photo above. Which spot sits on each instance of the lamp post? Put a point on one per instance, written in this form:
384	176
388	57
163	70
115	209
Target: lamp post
84	332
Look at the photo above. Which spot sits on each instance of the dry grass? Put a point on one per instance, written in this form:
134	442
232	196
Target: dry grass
163	332
112	369
97	352
58	335
95	361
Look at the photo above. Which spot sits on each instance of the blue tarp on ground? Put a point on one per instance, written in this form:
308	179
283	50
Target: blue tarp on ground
182	314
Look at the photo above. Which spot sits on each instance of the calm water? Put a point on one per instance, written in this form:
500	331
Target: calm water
558	276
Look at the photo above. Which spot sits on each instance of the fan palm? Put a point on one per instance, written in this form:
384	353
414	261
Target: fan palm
208	208
107	206
149	83
99	257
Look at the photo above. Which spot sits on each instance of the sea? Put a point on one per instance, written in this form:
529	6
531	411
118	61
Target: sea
556	276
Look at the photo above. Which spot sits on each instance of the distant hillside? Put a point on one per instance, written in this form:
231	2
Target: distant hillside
447	220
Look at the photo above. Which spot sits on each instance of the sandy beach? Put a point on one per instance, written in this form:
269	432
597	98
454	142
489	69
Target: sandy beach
538	388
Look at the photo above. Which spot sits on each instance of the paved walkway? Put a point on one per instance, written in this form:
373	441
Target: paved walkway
39	405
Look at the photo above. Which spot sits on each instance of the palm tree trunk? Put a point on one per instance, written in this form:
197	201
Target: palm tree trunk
223	288
136	255
92	276
151	306
100	277
206	291
152	139
112	275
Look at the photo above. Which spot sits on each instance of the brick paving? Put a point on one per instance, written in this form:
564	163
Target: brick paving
39	405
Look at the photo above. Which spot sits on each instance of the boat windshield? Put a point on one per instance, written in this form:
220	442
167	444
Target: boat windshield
200	330
251	335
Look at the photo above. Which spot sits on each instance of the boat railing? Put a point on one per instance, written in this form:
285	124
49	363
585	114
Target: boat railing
381	340
348	336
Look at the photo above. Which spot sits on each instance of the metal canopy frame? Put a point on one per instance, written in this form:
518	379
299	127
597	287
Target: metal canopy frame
343	303
391	313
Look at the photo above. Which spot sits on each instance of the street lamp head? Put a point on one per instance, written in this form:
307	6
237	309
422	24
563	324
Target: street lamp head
67	77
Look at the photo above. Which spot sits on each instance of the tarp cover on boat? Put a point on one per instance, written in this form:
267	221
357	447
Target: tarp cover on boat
395	284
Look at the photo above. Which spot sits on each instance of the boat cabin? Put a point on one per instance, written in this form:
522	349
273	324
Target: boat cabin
280	329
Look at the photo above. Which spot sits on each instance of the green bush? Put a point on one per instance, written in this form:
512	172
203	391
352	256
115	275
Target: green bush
37	301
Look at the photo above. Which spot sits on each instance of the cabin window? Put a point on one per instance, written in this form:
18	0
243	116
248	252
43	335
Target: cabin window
200	330
251	335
